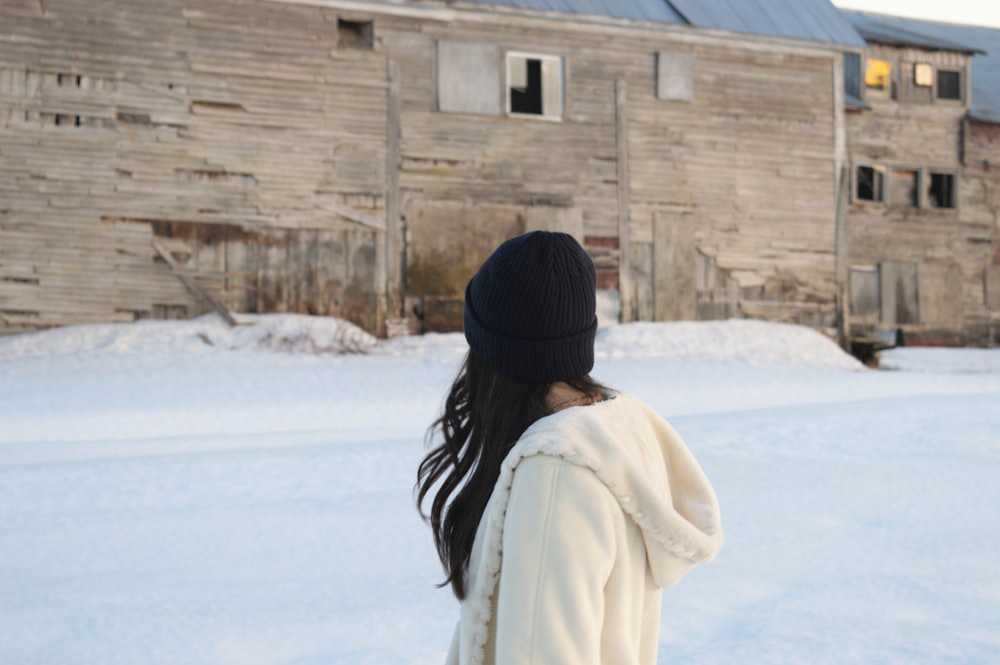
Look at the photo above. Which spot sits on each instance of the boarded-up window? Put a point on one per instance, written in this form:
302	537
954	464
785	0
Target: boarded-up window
898	292
941	190
869	183
864	290
949	84
468	78
534	85
923	74
878	77
675	76
904	189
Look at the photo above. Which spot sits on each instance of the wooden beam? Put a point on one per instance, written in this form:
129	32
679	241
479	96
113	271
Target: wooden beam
626	293
842	292
192	285
363	218
393	240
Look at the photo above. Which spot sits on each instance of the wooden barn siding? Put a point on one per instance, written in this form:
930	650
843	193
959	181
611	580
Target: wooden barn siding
222	126
762	121
948	249
981	192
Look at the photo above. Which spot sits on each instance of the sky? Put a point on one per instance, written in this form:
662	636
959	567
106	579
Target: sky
972	12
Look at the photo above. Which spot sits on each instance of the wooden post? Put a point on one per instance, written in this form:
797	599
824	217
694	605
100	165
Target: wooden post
393	246
192	285
625	291
842	295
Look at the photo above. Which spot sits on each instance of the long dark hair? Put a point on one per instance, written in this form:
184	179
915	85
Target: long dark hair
485	414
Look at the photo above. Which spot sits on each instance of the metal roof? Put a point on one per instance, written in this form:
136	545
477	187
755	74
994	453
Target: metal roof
812	20
892	31
657	11
982	42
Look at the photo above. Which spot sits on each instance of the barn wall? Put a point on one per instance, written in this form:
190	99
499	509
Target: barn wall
760	124
227	129
930	262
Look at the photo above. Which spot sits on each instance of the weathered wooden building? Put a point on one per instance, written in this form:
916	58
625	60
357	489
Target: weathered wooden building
360	158
923	140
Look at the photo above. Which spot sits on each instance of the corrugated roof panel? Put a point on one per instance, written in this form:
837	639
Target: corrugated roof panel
812	20
983	41
657	11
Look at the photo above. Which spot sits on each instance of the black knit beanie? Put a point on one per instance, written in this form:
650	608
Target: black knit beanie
530	310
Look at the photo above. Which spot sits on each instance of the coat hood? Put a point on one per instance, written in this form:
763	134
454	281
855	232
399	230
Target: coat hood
650	471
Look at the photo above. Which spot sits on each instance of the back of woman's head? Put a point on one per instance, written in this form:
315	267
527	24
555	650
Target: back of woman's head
530	320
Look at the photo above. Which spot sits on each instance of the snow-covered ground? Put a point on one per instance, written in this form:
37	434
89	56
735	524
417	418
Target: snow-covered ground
181	493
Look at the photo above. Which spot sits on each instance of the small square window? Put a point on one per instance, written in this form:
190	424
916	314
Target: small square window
949	84
878	75
941	192
869	183
923	74
355	34
534	85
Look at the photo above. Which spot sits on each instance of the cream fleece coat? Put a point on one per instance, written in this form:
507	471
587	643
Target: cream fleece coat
596	509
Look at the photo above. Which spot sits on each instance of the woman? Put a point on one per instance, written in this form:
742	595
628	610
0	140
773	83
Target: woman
560	508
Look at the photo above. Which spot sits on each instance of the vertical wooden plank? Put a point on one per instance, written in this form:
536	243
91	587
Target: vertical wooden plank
842	295
899	293
674	267
625	290
642	269
393	243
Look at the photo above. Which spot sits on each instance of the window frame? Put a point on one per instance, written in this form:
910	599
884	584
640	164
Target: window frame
561	83
889	91
937	85
881	169
928	182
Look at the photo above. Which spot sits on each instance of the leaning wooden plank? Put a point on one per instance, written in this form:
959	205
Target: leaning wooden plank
192	285
352	214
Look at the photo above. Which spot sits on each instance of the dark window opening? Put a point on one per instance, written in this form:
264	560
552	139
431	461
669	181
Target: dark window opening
526	86
355	34
949	84
941	193
68	80
869	184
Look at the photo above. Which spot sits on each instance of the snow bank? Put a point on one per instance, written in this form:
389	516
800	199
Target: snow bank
275	332
744	342
739	341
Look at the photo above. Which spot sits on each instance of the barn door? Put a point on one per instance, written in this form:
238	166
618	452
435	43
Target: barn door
674	294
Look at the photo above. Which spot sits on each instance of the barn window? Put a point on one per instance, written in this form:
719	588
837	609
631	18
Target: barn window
878	77
674	76
355	34
869	183
949	84
904	189
923	74
468	78
534	85
941	191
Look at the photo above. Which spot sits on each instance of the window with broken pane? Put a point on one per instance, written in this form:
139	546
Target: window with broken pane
534	84
941	190
869	183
